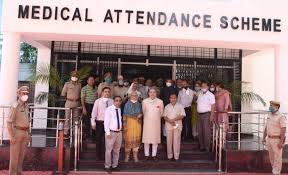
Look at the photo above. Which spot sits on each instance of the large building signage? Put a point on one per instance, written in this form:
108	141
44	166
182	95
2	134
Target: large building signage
151	18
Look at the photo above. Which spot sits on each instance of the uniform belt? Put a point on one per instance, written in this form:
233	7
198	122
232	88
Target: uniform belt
114	131
204	113
22	128
274	137
70	99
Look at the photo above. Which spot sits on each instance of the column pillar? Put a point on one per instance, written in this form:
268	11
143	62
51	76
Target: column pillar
8	77
281	72
43	60
9	68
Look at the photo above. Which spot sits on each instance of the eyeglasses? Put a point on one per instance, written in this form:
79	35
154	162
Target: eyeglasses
118	100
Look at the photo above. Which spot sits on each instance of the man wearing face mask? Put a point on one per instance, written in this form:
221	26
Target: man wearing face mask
205	109
120	89
194	120
178	85
141	86
185	98
274	136
71	91
107	83
18	130
88	97
97	119
167	91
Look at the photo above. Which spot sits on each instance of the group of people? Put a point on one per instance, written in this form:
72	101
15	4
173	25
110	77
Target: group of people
141	113
144	111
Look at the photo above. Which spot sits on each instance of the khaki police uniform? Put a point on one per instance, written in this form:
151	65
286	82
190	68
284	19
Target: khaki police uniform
19	118
273	128
71	91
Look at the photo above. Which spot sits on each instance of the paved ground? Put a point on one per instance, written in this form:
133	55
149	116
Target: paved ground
130	173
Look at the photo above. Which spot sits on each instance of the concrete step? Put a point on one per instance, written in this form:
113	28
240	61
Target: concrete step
142	166
189	155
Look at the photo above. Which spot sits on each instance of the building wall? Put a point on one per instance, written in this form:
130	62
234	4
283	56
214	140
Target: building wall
258	70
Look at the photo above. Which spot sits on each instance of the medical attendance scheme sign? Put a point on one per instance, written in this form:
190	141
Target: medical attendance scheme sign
150	18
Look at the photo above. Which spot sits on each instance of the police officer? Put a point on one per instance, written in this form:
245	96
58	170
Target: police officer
18	130
71	91
274	136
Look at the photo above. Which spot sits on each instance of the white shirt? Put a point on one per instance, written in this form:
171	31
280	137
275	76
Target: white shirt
172	112
205	101
99	109
185	97
110	120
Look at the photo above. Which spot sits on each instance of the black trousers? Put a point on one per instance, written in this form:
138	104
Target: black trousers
187	125
88	132
100	143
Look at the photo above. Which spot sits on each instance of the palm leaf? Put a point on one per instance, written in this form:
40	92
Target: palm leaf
44	96
250	97
84	72
47	74
240	93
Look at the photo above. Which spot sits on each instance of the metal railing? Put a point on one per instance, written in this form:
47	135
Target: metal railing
52	115
244	132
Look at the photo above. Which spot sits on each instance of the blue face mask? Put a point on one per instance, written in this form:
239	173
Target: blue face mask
271	109
108	80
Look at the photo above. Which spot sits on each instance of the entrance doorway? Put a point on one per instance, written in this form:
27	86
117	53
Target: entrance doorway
151	61
151	72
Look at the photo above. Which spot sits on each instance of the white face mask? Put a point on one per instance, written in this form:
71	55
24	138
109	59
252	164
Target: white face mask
204	90
24	98
120	83
168	84
74	78
197	88
212	89
133	101
126	84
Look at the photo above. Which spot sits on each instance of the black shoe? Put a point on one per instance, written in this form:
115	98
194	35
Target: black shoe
146	158
108	170
155	159
170	160
117	169
177	160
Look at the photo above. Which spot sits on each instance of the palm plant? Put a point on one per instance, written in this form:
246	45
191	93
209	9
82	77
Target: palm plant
48	75
240	93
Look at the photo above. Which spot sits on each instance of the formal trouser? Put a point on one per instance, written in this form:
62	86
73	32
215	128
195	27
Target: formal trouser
99	137
113	144
87	121
173	143
147	149
68	117
187	124
17	152
204	130
275	154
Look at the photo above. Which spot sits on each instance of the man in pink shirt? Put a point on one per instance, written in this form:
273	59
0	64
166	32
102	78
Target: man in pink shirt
97	118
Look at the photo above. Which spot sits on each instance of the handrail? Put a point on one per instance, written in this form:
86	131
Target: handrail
255	121
4	115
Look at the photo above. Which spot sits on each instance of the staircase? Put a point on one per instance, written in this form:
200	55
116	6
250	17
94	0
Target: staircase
191	160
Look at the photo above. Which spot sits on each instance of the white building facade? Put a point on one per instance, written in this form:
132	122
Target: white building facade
260	26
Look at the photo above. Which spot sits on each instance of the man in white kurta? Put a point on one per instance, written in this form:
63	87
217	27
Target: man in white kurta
173	115
152	110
